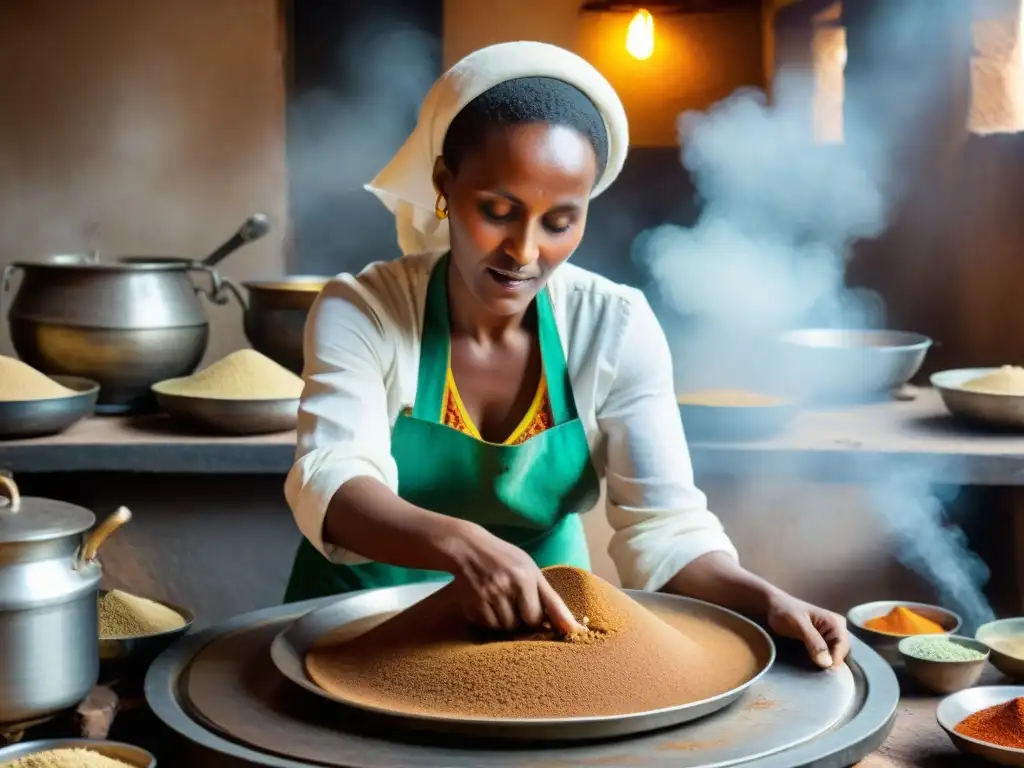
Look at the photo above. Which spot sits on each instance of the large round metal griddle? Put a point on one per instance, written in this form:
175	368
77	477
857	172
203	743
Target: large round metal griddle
221	692
354	615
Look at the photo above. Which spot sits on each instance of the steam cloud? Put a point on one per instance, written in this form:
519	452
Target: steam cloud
340	139
769	252
779	213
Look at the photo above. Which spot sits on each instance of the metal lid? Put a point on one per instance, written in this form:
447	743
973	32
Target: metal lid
72	262
24	519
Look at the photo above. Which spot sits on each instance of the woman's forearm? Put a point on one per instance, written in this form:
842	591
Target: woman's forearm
718	578
368	518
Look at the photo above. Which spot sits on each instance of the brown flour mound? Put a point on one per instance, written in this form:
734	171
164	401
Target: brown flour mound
429	660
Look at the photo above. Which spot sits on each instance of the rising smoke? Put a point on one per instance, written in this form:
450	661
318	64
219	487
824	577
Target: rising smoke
340	137
769	252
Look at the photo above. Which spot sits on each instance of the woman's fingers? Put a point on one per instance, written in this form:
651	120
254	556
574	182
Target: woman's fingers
529	605
835	635
506	613
558	614
481	613
812	638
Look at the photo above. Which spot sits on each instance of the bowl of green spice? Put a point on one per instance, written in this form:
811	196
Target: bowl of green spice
944	663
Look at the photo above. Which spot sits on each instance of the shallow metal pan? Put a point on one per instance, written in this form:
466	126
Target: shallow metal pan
289	649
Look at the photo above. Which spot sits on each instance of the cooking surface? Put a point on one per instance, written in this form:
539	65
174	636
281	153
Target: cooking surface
842	445
226	675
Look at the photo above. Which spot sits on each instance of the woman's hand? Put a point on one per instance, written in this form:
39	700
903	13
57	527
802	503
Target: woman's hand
499	586
717	578
823	633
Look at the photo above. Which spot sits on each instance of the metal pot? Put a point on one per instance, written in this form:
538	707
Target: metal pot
49	581
276	316
126	324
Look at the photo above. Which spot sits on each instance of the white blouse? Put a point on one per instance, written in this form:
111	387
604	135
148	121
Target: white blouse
362	344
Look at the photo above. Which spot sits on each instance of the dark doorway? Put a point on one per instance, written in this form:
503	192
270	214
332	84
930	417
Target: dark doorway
357	74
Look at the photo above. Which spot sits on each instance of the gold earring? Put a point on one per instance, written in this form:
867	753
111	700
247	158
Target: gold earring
441	213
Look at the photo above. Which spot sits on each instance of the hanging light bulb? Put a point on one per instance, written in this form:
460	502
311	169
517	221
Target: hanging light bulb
640	35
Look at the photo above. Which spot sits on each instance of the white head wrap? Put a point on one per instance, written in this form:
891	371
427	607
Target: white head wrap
406	185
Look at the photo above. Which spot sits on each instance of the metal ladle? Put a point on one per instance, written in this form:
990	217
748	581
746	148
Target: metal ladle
253	228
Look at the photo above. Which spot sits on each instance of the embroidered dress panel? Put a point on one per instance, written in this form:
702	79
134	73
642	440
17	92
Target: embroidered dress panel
536	420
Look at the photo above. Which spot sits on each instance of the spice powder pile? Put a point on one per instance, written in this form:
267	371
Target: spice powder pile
1001	725
903	621
428	660
124	615
20	382
940	648
65	758
242	375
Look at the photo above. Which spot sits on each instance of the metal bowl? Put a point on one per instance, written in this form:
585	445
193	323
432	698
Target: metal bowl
841	365
955	708
716	423
115	750
944	677
36	418
235	417
886	645
128	658
275	317
978	407
990	634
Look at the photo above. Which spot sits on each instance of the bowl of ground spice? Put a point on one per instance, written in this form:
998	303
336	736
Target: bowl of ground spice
1005	639
987	722
884	623
75	753
33	404
245	393
944	663
135	630
730	415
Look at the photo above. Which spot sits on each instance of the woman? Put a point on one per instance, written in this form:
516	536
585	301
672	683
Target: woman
463	402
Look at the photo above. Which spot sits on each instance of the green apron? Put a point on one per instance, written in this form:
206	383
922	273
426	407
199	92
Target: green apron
530	494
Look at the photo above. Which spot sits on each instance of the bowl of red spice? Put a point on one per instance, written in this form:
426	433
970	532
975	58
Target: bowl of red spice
987	722
883	624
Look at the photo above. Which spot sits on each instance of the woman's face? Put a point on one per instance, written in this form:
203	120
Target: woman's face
516	210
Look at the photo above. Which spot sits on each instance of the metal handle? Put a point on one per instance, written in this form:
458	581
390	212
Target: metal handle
5	278
94	540
220	286
10	490
5	287
227	282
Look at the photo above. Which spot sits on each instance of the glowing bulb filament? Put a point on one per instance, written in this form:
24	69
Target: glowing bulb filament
640	35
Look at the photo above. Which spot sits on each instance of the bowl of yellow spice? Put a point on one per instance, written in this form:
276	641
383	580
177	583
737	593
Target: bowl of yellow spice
135	630
989	396
75	753
33	404
245	393
883	624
